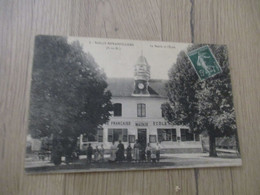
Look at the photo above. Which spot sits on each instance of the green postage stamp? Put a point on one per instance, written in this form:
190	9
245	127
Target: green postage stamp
204	62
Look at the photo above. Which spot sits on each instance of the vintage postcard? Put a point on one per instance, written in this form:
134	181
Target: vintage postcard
110	105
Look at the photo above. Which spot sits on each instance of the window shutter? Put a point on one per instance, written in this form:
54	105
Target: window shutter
100	135
159	131
139	110
174	136
124	135
143	110
110	135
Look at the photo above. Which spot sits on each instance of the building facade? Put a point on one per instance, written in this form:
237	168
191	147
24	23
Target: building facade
138	116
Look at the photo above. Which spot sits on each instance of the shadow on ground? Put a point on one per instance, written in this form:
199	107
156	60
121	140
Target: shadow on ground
83	165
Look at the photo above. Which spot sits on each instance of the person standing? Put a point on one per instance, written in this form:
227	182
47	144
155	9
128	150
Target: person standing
102	152
148	152
96	155
113	150
136	151
129	153
158	151
142	153
120	151
89	153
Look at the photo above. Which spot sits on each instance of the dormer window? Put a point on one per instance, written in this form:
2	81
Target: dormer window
117	109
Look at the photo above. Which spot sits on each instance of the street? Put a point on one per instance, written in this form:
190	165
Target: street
167	161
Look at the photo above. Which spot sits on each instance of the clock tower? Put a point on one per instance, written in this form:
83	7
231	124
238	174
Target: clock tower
142	76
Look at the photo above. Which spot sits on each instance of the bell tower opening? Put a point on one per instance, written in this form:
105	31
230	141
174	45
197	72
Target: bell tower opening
142	76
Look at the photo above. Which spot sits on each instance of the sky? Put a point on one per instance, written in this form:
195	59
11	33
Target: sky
118	56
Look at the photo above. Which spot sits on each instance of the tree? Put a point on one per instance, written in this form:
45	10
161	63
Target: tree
68	92
202	105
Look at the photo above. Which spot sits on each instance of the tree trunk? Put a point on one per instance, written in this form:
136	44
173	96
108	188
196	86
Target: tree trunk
212	146
56	152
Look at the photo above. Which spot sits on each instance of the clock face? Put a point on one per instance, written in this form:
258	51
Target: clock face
140	85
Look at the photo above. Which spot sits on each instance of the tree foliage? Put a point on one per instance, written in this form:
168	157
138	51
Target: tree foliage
68	91
202	105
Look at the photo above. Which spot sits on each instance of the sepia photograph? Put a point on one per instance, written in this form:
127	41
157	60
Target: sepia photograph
114	104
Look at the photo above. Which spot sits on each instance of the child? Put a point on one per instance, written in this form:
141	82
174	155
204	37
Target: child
153	155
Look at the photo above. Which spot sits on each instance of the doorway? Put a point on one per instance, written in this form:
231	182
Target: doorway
142	137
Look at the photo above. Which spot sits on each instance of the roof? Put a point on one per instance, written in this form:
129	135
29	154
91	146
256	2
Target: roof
142	60
124	87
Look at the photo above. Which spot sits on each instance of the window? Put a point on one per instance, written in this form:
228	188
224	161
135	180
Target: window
167	135
100	135
117	109
94	138
186	135
141	110
117	134
131	138
89	138
152	138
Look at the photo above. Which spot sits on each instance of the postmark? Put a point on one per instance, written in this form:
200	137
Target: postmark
204	62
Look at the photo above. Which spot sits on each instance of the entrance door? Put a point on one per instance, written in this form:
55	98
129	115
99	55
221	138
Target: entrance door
142	137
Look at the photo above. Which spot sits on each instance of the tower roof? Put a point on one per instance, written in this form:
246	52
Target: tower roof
142	60
142	69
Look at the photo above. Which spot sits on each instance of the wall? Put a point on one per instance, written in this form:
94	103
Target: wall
129	106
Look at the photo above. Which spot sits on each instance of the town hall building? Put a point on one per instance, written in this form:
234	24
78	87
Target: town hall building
137	115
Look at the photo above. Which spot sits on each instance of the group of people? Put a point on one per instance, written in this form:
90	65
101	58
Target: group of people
148	153
118	153
138	153
98	153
